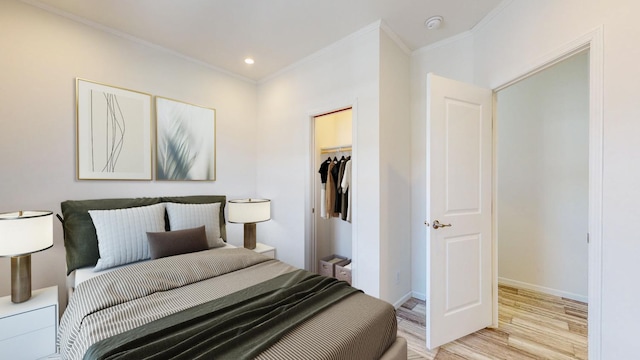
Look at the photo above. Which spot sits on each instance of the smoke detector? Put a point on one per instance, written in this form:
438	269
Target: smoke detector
434	22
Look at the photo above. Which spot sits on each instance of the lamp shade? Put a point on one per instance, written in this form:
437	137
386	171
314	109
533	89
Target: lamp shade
248	211
25	232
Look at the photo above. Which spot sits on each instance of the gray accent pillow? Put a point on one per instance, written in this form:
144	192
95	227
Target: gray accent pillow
169	243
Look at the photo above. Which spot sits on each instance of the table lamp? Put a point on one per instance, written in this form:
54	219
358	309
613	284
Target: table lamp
21	234
249	212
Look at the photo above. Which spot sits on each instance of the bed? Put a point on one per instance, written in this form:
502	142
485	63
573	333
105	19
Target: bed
197	297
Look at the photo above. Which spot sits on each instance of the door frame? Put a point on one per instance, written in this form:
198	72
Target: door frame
310	182
591	42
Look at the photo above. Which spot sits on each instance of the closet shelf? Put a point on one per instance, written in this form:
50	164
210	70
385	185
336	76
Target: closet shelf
335	149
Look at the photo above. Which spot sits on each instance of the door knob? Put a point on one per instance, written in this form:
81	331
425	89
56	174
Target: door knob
437	225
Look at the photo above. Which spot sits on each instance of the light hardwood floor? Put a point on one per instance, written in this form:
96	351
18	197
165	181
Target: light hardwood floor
532	325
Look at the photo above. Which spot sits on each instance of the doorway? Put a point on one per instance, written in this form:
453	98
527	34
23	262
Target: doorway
541	209
439	239
332	230
542	180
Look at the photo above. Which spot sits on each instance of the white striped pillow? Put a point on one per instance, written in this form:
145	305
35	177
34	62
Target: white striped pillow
122	233
188	216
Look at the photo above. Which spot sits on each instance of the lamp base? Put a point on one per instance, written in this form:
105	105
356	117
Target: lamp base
250	236
20	278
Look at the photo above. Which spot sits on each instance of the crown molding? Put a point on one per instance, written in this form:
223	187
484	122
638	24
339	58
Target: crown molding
396	39
443	42
491	15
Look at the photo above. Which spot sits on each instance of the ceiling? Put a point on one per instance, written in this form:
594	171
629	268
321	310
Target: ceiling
276	33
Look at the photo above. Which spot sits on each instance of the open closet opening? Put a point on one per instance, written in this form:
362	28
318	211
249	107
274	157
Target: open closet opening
332	235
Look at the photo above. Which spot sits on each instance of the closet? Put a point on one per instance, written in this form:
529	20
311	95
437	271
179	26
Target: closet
332	219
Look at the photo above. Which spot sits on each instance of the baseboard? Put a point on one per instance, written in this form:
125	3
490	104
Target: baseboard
402	300
542	289
419	296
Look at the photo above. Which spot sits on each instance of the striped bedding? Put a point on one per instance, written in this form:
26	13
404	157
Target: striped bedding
358	327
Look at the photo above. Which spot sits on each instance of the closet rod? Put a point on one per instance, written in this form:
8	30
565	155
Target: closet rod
334	149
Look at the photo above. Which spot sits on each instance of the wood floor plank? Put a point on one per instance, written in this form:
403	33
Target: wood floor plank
496	335
533	317
541	351
407	314
411	303
464	351
559	313
444	354
492	349
533	335
564	335
532	325
580	352
578	329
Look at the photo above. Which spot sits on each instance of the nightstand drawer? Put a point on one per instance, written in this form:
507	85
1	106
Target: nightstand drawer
29	346
270	253
27	322
28	329
266	250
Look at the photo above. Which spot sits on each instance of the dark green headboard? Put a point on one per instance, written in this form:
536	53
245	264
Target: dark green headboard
80	239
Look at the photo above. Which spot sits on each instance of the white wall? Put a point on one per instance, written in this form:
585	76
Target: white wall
515	40
395	171
344	74
452	59
42	54
543	179
350	72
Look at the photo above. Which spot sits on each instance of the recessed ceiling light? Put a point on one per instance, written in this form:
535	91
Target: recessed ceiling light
249	61
434	22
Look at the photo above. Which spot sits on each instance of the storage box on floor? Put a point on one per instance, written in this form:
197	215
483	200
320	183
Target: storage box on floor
343	271
336	266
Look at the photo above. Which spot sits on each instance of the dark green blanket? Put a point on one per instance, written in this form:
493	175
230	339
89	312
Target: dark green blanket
237	326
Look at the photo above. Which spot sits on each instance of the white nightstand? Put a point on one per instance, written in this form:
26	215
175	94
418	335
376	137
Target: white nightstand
28	330
267	250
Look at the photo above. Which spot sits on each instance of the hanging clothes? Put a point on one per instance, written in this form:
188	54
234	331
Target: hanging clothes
337	199
340	202
324	171
345	184
330	193
335	192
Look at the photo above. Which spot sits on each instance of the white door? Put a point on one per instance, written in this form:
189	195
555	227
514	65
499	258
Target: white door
459	163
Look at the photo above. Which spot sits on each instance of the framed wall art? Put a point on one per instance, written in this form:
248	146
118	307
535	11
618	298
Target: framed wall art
113	132
185	141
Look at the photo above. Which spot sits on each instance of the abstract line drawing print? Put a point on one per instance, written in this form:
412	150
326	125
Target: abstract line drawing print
115	128
113	137
113	132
